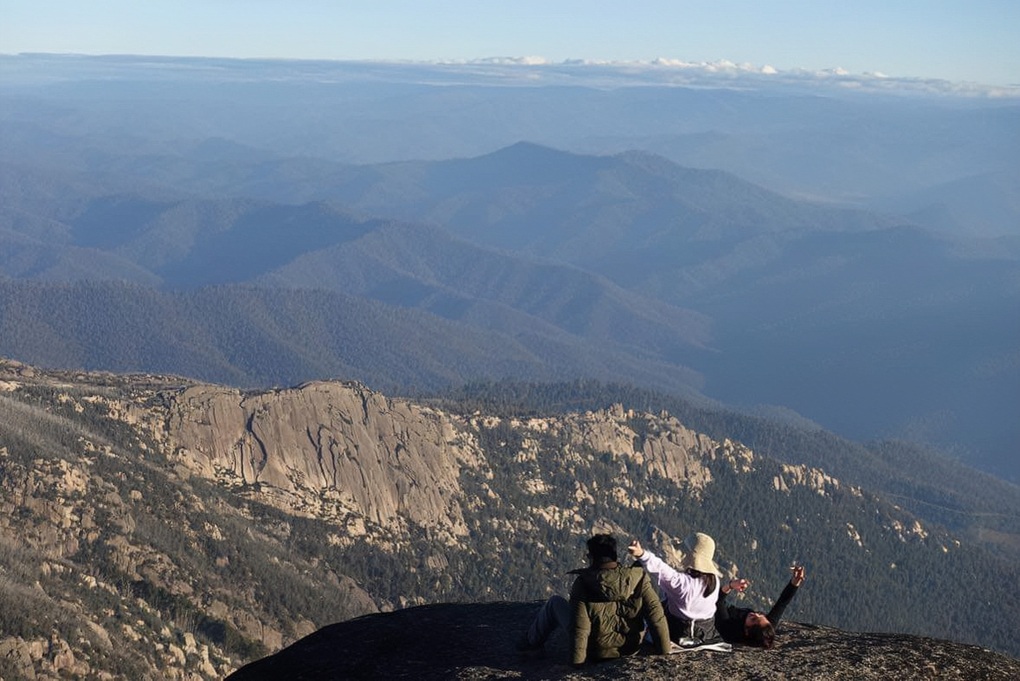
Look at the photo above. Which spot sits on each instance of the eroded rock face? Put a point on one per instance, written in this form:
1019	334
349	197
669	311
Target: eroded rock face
327	445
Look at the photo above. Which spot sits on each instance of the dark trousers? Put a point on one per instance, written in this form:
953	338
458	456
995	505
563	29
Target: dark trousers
679	627
554	613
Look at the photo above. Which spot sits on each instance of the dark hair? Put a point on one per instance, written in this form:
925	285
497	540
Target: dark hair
707	578
763	637
602	548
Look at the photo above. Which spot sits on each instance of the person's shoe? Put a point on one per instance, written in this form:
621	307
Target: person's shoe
690	644
719	646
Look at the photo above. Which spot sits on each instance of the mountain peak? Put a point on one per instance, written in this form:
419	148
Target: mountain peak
525	147
476	641
540	163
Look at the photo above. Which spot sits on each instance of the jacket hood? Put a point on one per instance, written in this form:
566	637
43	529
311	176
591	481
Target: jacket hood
612	584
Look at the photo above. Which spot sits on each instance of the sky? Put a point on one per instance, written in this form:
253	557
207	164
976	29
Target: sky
957	40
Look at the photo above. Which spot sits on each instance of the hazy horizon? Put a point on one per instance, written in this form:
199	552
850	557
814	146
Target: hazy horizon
962	42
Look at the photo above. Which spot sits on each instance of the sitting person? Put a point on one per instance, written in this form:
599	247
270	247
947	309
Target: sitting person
747	626
691	593
608	607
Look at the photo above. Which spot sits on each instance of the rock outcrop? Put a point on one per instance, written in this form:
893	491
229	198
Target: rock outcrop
339	451
327	449
476	642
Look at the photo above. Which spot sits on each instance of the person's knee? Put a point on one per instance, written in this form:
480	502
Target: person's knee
561	610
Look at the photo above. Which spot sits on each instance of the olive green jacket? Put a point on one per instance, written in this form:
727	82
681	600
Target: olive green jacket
609	606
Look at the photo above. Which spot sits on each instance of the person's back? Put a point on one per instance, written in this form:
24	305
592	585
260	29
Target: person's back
690	593
609	606
606	614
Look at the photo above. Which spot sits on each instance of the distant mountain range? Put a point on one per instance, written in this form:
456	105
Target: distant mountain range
842	142
218	226
554	265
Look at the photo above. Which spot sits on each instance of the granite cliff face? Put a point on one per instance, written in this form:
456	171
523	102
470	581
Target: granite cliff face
156	528
327	450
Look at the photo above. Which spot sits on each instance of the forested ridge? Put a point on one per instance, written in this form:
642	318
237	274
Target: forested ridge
925	480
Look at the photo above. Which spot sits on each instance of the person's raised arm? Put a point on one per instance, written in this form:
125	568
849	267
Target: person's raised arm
663	572
796	579
734	585
722	611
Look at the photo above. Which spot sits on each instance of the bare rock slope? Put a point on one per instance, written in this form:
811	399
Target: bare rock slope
476	641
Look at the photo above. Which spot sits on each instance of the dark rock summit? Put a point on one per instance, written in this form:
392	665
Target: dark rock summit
476	641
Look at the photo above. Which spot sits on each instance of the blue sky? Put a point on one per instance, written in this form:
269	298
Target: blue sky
958	40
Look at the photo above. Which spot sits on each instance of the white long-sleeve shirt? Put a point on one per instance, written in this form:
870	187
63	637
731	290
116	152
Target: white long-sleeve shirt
684	594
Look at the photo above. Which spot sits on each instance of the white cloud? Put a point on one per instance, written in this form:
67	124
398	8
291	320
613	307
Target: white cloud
539	70
725	73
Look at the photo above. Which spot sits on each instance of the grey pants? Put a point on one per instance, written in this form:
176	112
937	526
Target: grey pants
555	612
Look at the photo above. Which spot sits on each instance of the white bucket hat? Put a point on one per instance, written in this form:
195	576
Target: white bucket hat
699	551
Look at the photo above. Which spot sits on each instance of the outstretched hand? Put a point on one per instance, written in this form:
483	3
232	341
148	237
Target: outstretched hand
635	549
798	575
737	585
